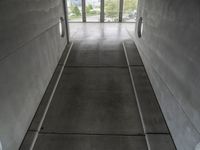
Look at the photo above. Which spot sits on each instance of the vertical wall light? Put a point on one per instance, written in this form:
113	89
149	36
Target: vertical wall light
61	27
140	27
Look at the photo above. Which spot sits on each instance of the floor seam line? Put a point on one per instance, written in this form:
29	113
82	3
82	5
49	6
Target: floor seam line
96	67
92	134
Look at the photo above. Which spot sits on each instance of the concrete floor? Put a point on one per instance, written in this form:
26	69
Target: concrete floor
100	31
103	100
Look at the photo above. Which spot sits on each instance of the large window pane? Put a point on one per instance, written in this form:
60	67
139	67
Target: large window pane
93	10
74	10
111	9
130	10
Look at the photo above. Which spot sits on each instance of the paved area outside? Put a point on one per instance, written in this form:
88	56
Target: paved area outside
103	100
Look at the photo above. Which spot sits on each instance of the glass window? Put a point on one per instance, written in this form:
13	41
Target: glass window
74	10
93	10
111	9
130	10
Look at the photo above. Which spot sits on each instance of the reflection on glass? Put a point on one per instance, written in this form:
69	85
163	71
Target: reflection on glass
74	10
93	10
130	10
111	9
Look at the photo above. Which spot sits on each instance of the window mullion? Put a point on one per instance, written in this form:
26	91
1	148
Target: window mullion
83	11
121	3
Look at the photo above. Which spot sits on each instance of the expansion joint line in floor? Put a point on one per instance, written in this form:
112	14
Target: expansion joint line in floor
95	66
137	99
91	134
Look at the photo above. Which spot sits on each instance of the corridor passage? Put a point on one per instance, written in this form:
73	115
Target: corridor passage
103	99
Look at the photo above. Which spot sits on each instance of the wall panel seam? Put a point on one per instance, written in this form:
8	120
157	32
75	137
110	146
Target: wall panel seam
27	42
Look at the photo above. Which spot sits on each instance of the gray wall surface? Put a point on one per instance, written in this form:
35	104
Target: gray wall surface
170	49
30	48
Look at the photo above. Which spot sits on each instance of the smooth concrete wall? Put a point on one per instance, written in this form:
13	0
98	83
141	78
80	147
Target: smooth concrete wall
30	48
170	49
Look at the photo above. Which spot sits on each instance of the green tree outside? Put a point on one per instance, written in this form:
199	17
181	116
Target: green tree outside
75	10
130	5
111	8
90	10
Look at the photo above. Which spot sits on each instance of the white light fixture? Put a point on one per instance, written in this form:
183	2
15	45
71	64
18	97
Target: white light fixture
61	28
140	27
